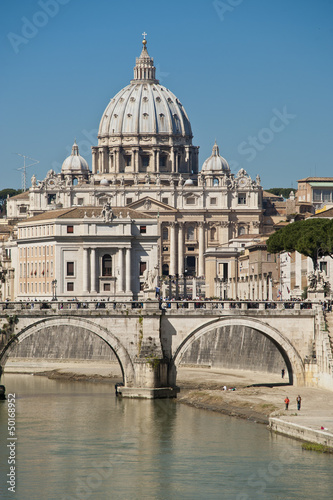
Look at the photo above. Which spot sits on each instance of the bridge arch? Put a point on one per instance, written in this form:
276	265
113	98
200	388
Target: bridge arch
111	340
290	355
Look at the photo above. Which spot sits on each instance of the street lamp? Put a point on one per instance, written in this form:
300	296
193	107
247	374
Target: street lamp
54	289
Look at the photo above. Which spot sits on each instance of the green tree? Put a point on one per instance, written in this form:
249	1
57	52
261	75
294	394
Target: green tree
285	192
311	237
3	197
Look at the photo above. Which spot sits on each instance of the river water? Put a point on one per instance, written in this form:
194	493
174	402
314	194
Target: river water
75	440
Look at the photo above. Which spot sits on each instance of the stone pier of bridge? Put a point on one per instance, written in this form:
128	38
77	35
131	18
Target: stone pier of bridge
150	342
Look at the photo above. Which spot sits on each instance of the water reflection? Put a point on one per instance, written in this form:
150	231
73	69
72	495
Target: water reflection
76	440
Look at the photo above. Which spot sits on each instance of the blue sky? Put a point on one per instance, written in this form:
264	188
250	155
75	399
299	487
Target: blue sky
254	74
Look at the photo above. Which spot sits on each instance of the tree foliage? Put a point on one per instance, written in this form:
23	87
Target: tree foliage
311	237
285	192
3	197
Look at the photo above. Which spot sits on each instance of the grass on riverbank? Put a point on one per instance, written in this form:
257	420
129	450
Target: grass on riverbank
321	448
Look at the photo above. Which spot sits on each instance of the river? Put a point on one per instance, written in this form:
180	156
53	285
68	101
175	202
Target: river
75	440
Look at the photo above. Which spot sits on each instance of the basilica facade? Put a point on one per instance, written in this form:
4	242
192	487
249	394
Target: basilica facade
145	162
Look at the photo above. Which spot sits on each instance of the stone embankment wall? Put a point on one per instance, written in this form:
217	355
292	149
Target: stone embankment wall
237	347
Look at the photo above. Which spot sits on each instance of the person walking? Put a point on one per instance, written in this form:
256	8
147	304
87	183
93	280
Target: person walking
298	401
287	401
282	372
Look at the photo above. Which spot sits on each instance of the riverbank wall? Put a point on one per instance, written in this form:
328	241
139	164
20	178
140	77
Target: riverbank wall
301	432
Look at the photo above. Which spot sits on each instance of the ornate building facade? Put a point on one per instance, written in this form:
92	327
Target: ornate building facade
145	161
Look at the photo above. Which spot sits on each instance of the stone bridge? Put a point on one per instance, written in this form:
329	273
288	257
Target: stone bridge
150	343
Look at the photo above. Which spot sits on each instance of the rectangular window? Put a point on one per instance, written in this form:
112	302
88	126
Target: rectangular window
70	269
165	201
163	160
165	249
213	201
241	199
326	196
51	198
190	201
190	249
128	160
143	229
129	200
143	267
316	195
323	267
145	161
70	229
70	286
107	287
80	201
23	210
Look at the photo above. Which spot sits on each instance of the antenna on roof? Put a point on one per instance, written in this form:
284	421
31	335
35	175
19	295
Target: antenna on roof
24	169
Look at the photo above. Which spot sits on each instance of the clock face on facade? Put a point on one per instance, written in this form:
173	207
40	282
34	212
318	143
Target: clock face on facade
51	182
242	182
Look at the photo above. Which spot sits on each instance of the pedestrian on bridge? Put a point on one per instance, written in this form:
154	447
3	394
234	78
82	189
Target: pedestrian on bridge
298	401
287	401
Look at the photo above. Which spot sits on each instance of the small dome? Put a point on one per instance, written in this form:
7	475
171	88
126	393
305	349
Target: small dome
104	182
75	163
215	163
189	182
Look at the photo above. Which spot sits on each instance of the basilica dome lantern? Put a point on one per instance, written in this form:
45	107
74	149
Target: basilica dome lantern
145	130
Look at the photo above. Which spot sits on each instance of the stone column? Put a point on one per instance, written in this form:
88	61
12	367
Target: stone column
121	271
176	162
94	161
172	154
128	270
265	288
116	160
85	270
181	248
136	160
201	263
93	270
260	288
270	289
172	269
157	160
110	161
154	160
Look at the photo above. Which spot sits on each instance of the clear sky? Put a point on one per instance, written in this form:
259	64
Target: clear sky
256	75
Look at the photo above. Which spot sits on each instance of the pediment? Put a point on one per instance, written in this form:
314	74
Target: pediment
148	204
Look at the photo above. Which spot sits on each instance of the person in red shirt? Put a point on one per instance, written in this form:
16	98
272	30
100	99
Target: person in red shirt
287	401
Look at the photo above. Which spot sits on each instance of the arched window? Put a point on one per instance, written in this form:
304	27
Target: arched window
106	265
75	181
241	231
165	270
215	182
213	233
165	234
190	233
